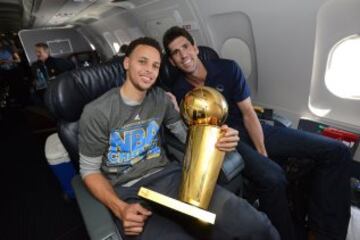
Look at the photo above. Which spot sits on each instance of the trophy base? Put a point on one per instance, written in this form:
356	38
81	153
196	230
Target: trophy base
177	205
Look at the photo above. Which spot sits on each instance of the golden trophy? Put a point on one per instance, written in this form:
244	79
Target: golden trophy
204	109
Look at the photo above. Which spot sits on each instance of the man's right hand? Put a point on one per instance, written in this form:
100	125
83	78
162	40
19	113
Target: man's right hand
133	217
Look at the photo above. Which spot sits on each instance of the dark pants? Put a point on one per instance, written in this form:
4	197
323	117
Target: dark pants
329	193
235	217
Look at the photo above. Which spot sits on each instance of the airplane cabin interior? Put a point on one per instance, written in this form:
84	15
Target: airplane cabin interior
299	59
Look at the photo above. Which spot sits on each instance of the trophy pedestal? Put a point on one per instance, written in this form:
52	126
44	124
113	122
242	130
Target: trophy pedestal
177	205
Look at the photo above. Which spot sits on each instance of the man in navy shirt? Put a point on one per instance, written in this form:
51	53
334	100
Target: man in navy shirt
264	147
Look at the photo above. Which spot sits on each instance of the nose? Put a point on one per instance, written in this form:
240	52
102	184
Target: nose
149	68
182	53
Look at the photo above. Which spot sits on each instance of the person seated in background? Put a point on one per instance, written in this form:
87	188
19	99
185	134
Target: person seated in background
123	48
8	59
47	68
120	55
263	147
120	151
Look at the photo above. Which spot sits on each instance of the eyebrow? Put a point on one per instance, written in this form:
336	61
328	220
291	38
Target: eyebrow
146	58
177	49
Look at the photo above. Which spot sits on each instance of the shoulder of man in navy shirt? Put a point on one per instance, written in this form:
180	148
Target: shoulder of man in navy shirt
224	75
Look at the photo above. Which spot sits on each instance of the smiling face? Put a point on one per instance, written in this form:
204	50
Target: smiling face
184	55
142	67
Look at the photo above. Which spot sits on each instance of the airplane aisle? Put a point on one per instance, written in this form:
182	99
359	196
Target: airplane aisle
33	207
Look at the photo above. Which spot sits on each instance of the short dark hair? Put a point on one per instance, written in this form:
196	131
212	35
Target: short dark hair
174	32
143	41
42	45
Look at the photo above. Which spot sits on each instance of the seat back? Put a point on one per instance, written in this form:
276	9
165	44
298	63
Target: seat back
84	59
71	91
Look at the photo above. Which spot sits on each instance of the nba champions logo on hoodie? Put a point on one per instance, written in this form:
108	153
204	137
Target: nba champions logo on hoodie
133	143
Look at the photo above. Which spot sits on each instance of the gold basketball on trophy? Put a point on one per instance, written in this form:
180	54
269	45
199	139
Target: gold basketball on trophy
204	109
204	105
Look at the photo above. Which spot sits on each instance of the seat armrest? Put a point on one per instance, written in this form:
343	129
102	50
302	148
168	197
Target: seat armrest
268	116
232	166
98	220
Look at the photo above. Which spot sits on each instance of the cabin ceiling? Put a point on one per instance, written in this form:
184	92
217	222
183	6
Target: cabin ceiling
19	14
11	13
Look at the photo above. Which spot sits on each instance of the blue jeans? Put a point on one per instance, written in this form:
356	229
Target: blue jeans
235	217
329	193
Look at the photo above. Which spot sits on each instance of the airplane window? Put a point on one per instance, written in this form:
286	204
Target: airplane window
92	47
116	46
122	36
342	70
110	39
239	51
60	46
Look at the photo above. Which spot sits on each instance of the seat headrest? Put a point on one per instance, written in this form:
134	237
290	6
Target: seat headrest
71	91
207	53
168	73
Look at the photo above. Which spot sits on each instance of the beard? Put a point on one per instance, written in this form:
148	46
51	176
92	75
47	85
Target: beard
141	88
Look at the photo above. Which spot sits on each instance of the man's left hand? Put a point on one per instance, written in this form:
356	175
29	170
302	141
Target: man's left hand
229	139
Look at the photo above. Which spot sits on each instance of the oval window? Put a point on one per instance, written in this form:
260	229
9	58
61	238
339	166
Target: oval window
342	76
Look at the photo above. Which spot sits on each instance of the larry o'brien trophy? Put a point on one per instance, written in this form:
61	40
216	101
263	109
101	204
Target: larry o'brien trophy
204	109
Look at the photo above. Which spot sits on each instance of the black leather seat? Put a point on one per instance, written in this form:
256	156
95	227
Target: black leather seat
66	98
84	59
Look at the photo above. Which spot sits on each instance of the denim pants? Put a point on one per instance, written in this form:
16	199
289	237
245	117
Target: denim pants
329	193
235	217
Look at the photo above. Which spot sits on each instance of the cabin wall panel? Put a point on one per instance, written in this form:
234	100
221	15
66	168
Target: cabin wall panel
150	19
123	21
166	13
284	33
30	37
336	21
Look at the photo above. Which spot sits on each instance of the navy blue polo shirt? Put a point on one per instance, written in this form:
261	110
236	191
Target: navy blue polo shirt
225	76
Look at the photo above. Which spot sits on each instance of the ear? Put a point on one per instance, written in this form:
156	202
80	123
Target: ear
126	63
196	49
